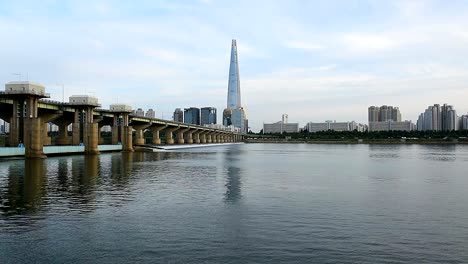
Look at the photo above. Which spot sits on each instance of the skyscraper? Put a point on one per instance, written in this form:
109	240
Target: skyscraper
192	115
234	114
178	115
208	115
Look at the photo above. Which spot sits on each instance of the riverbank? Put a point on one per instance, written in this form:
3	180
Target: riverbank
362	141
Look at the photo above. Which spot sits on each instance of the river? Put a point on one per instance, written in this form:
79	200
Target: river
249	203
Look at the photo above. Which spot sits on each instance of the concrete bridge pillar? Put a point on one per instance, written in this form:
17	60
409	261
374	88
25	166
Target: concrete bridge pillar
180	135
203	137
188	136
139	133
215	138
156	138
91	140
169	136
33	138
209	137
127	142
196	137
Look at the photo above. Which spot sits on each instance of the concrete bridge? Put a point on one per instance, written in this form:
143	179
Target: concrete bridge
26	107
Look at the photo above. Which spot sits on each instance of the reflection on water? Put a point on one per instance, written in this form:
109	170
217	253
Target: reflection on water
25	191
254	203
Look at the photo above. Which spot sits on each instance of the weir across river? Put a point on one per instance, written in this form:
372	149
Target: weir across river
25	106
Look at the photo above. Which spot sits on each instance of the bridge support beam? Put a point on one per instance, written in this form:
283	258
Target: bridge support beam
188	136
203	137
196	136
156	138
169	136
139	135
180	135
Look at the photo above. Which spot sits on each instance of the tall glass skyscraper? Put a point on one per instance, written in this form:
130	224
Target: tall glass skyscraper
208	115
234	114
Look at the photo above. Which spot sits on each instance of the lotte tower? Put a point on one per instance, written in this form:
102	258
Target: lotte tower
234	114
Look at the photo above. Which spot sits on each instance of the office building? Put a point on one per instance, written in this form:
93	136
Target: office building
178	115
234	114
208	115
192	115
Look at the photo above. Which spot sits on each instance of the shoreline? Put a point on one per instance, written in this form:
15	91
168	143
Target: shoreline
367	142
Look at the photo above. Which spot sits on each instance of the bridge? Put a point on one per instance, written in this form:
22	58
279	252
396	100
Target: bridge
26	107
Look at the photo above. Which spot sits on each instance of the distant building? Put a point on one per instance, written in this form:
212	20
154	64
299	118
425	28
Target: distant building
282	126
222	127
464	122
384	113
178	115
150	113
391	125
439	118
192	115
52	128
139	112
208	115
335	126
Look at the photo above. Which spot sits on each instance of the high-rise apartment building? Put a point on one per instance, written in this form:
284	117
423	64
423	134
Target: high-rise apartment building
234	114
384	113
439	118
464	122
178	115
150	113
380	117
208	115
192	115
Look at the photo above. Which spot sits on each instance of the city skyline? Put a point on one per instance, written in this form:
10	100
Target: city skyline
340	57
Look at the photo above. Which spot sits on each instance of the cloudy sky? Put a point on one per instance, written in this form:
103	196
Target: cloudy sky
314	60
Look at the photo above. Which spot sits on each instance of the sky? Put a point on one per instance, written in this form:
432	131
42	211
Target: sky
312	60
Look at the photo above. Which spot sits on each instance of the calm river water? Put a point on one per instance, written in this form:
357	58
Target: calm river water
251	203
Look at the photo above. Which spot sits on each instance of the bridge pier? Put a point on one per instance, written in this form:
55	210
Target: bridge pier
121	131
139	135
196	136
169	136
188	135
33	138
156	138
25	123
180	135
85	128
203	137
